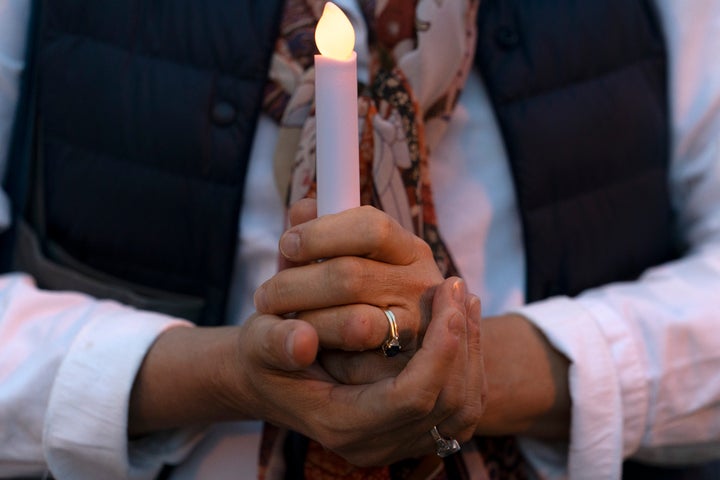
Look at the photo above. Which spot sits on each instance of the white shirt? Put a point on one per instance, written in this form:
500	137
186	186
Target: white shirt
645	370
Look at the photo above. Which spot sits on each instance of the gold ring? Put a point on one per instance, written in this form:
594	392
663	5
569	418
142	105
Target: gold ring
391	346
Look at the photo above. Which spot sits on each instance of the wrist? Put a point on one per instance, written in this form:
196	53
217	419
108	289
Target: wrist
527	381
184	380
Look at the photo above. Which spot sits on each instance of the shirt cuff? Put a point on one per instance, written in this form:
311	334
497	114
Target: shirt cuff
85	432
609	395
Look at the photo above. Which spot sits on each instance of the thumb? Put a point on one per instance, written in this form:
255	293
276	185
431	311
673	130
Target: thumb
284	344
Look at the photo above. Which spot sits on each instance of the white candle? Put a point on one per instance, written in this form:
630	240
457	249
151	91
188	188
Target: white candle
336	114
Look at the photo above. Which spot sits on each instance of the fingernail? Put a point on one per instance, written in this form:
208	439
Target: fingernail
475	308
290	244
458	291
259	299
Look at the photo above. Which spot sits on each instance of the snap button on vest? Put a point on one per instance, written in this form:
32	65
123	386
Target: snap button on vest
223	113
506	37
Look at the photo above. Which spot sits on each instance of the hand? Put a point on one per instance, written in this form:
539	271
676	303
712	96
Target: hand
264	369
378	423
370	262
528	381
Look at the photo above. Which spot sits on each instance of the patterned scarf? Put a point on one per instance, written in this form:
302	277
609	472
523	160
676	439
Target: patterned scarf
417	70
421	52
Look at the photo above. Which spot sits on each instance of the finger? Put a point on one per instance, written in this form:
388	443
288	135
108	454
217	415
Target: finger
416	389
453	292
302	211
478	392
355	327
402	409
339	281
287	345
363	231
448	417
361	327
352	368
462	425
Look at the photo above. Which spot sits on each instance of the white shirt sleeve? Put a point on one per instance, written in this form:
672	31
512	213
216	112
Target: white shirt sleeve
67	361
645	355
67	365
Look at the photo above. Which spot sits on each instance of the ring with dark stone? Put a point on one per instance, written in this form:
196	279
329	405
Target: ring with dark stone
391	346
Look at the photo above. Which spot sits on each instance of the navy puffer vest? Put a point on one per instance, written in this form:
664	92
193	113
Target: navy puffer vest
580	93
139	131
144	114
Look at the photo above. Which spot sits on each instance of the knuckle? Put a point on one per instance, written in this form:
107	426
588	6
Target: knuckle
423	252
347	274
423	249
419	405
379	227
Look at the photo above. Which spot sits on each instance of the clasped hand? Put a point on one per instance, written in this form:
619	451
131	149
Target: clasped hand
330	380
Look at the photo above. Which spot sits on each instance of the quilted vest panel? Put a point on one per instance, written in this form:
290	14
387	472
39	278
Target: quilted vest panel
580	93
145	113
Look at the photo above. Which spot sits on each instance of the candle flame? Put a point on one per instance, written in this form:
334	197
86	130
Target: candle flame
334	34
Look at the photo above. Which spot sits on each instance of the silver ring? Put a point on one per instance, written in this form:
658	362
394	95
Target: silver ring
391	346
444	446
